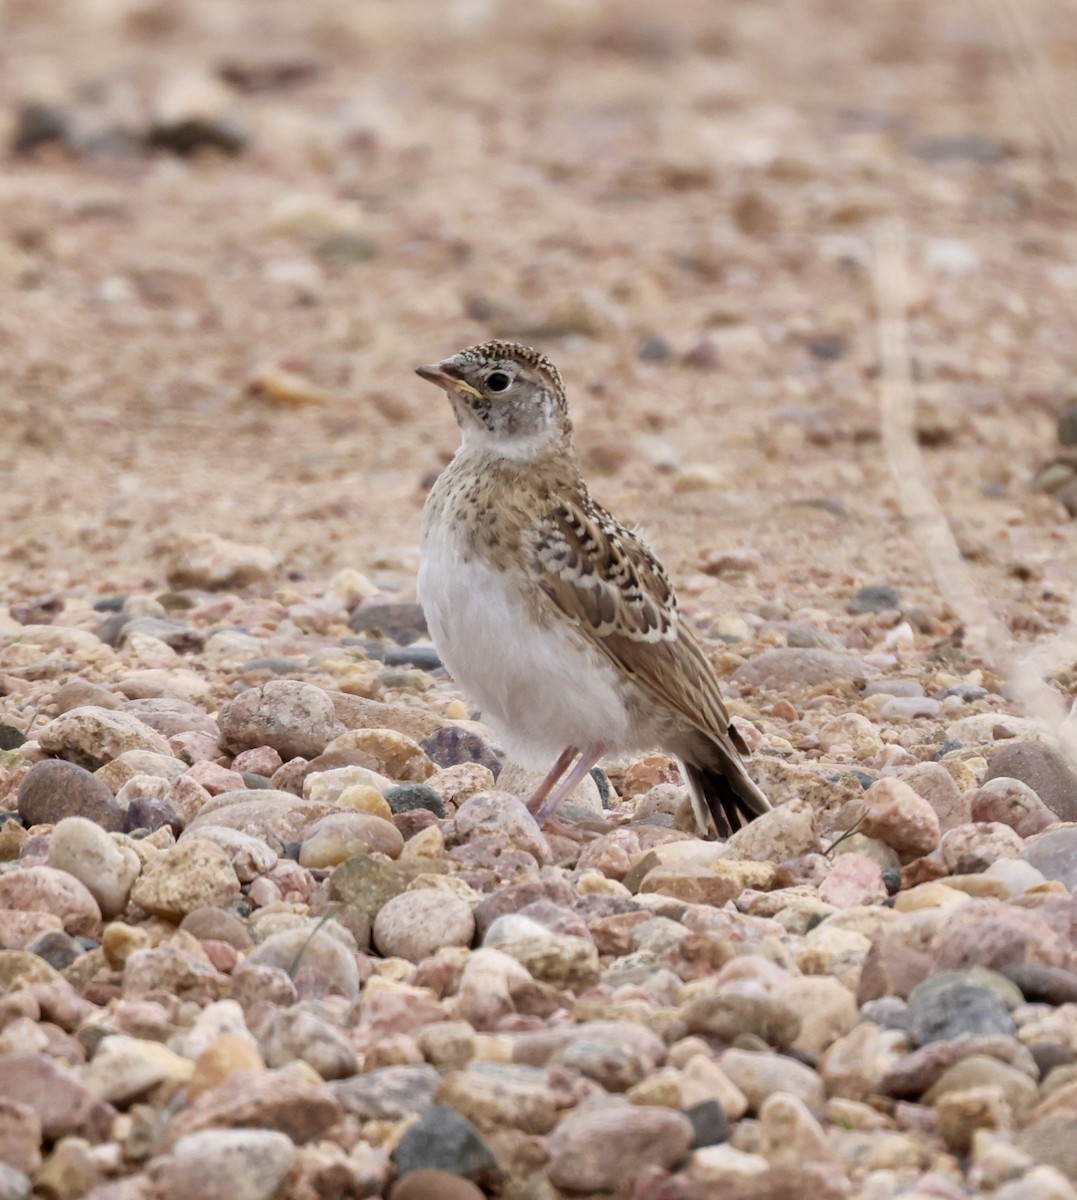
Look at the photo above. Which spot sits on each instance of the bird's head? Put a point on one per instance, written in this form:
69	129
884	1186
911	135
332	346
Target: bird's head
508	399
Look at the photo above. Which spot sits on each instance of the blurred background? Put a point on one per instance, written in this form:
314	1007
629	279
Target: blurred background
230	228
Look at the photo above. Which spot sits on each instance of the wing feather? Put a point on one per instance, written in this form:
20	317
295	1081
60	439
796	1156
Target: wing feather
605	580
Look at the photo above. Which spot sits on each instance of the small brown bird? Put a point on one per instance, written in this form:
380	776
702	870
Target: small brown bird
555	618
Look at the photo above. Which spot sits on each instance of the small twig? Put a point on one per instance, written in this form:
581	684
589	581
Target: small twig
842	836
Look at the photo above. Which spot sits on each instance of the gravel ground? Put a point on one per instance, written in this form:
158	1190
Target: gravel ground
271	924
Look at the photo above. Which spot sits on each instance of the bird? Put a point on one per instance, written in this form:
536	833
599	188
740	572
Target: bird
556	619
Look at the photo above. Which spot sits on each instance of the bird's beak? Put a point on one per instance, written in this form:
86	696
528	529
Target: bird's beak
446	376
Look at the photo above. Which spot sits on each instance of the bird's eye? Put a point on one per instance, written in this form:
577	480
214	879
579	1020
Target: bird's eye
498	382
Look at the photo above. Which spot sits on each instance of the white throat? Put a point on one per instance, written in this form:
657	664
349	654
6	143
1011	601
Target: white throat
525	447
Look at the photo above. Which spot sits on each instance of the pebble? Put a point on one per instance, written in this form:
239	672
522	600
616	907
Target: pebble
409	796
14	1184
937	786
227	1164
415	924
1054	854
1043	769
124	1069
451	746
895	815
949	1005
443	1140
394	754
212	562
63	1104
403	623
190	875
54	789
874	598
1014	804
797	670
319	963
389	1093
758	1075
338	836
505	817
426	1184
46	889
605	1149
92	736
273	817
728	1014
561	960
106	866
296	719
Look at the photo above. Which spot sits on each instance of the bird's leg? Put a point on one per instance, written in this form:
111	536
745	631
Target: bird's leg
589	755
556	771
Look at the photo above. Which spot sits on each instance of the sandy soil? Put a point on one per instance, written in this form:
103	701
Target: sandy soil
582	175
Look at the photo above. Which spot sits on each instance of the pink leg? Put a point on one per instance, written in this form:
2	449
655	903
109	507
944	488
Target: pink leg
588	757
556	771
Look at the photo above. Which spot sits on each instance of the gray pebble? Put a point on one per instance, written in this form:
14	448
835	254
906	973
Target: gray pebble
948	1006
874	598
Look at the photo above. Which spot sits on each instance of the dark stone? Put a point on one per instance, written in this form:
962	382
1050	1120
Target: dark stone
1067	426
948	1006
946	748
111	627
57	948
1044	770
10	737
403	623
892	880
874	598
407	796
275	666
426	658
109	604
602	782
450	745
445	1140
188	136
1043	985
708	1123
960	147
655	348
828	348
291	850
389	1093
54	789
149	813
39	125
256	781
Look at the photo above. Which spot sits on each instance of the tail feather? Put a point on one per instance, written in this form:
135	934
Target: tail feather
724	797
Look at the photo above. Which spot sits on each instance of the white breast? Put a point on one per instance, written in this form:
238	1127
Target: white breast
541	687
